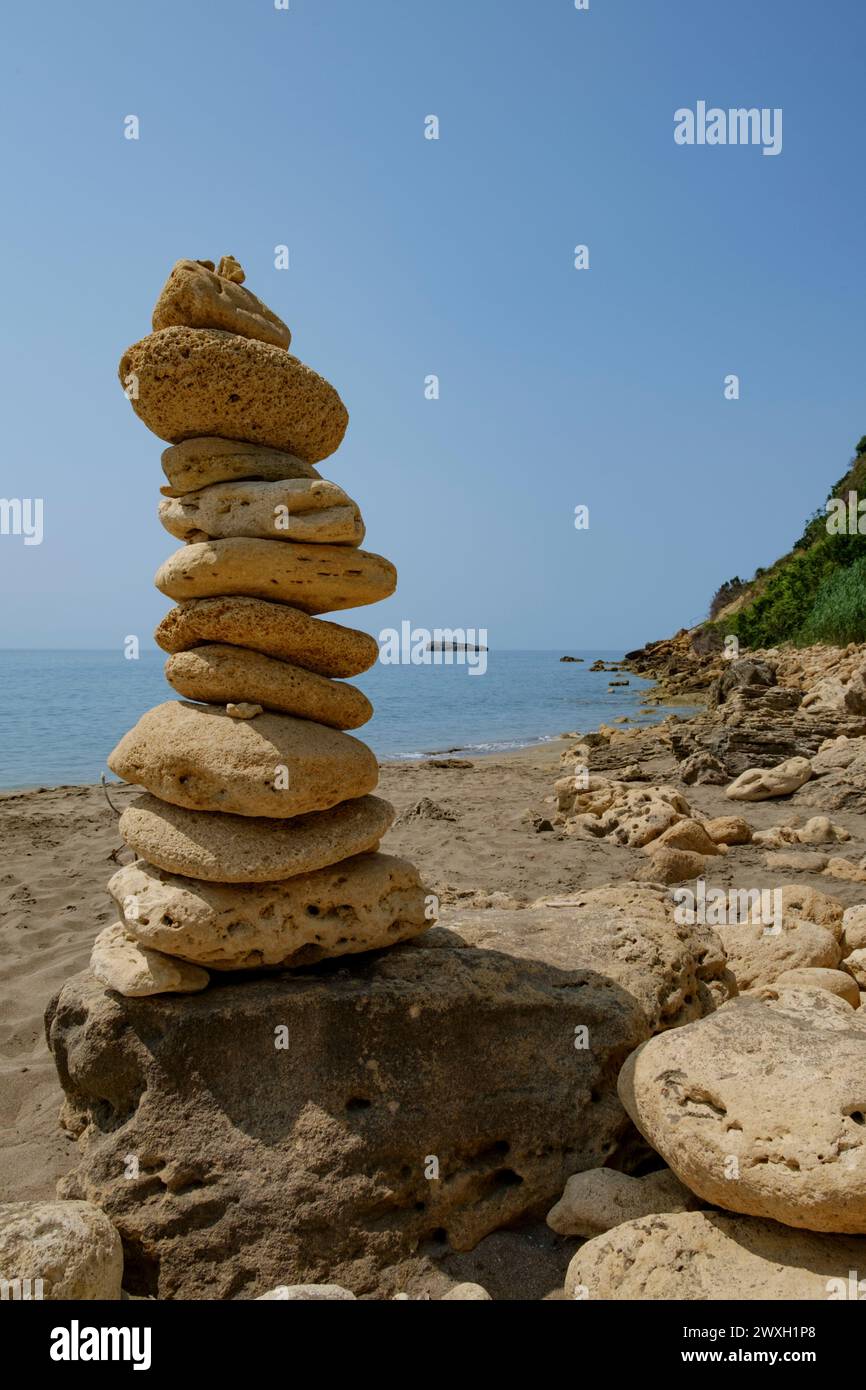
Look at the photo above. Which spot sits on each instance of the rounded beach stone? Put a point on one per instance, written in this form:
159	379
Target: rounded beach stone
223	674
195	297
308	1293
198	463
196	381
243	849
121	963
359	904
199	757
600	1198
836	982
705	1256
273	628
71	1246
759	1110
309	510
314	578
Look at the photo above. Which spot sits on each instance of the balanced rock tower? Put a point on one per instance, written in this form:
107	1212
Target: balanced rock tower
257	832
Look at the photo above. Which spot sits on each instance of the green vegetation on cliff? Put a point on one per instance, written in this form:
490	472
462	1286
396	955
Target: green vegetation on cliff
817	592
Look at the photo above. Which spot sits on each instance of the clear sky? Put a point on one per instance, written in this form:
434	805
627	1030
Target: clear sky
558	387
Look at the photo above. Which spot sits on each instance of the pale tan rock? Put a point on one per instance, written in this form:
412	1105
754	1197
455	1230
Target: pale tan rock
308	510
800	901
829	1010
758	955
855	963
243	710
198	757
273	628
800	861
836	982
600	1198
839	867
728	830
195	297
220	674
820	830
761	783
671	865
191	382
71	1247
853	928
689	835
308	1293
120	963
466	1293
760	1112
243	849
314	578
361	904
201	462
708	1256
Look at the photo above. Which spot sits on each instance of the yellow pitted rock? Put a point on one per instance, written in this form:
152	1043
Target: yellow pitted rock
243	849
272	628
121	963
360	904
199	462
186	382
198	757
196	296
314	578
220	674
296	509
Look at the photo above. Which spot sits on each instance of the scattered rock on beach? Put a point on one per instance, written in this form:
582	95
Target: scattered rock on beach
71	1247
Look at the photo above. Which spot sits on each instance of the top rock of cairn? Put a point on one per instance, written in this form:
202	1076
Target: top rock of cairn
259	833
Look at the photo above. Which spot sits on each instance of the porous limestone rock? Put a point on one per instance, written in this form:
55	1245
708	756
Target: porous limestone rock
286	1130
198	757
836	982
314	578
71	1246
200	462
707	1256
123	964
275	629
308	1293
666	865
195	297
760	1112
758	954
728	830
853	928
217	673
761	783
309	510
466	1293
601	1198
246	849
191	382
687	834
361	904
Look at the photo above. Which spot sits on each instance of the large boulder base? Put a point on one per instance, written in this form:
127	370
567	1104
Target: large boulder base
318	1126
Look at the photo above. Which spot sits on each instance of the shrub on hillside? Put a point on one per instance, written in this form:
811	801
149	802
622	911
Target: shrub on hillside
839	612
780	612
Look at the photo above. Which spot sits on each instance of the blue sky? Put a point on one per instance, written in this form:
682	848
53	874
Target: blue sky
408	257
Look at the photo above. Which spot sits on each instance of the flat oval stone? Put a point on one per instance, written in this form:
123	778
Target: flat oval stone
309	510
220	674
198	757
196	297
184	382
244	849
197	463
122	963
273	628
314	578
361	904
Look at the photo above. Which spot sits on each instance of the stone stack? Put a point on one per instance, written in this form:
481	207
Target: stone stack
257	833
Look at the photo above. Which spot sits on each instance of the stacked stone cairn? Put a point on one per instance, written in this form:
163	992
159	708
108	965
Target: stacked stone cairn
258	831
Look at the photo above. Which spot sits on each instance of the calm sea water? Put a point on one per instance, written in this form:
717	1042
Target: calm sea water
61	712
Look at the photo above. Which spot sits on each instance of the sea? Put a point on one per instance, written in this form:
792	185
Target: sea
61	712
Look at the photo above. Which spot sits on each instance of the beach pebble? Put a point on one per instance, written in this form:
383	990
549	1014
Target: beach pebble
198	757
761	783
216	673
119	962
466	1293
195	297
201	381
314	578
836	982
71	1246
600	1198
296	509
245	849
308	1293
197	463
275	629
